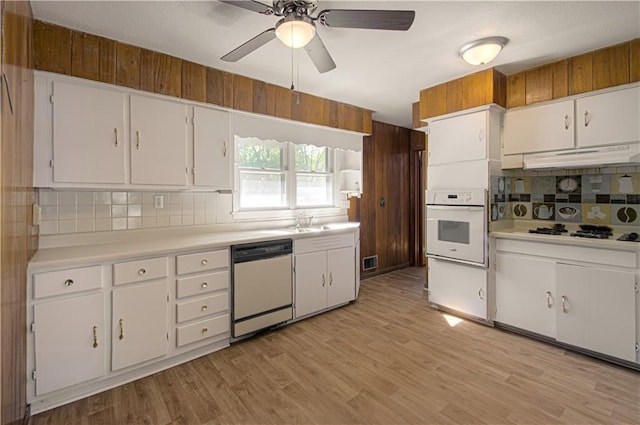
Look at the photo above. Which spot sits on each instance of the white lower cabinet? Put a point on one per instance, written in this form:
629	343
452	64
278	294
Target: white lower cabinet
324	278
139	323
458	287
526	293
69	342
596	310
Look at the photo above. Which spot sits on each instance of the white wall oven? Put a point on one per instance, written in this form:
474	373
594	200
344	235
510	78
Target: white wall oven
456	226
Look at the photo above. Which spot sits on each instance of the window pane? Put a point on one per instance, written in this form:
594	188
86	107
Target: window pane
252	153
313	190
312	159
262	190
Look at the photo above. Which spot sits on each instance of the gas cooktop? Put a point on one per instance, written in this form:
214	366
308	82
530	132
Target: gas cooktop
586	231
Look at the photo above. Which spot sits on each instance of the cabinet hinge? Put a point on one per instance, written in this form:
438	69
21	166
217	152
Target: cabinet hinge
51	163
51	98
33	375
33	327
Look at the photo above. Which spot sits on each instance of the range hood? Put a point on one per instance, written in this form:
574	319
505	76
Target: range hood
596	157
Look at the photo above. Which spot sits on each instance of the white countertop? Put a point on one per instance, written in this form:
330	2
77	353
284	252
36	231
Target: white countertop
520	231
129	247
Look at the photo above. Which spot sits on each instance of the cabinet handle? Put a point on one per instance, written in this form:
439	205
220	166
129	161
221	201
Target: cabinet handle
205	262
95	337
142	271
323	282
121	329
480	135
138	139
566	122
115	130
330	279
205	330
586	118
564	306
204	308
481	294
68	282
224	149
204	284
549	299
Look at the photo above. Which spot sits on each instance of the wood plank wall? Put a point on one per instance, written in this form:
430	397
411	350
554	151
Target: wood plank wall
65	51
16	197
599	69
386	230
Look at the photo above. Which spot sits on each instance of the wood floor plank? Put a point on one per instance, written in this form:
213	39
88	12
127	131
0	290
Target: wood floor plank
386	358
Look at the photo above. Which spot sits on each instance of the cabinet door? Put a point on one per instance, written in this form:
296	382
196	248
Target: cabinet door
342	276
526	293
311	282
539	128
158	142
88	134
459	287
608	118
597	310
461	138
139	324
211	148
69	342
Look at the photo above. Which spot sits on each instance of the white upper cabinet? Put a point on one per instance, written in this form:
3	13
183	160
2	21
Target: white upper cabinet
540	128
211	148
466	137
88	134
158	141
608	118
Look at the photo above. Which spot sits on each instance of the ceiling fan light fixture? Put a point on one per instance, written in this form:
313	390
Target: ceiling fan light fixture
483	51
295	32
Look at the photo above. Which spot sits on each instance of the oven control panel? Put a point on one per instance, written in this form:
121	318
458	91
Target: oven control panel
456	197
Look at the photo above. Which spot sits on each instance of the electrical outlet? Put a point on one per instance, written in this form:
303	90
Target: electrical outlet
158	201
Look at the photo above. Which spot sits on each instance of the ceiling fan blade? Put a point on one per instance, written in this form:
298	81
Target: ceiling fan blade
251	45
319	55
398	20
252	5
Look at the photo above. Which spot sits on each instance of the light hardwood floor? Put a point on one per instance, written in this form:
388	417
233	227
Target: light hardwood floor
385	359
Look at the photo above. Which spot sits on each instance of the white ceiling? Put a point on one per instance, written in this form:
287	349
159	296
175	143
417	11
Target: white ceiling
379	70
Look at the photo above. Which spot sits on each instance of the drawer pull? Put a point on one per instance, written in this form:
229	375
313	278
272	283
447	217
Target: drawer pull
204	284
95	337
142	272
330	279
205	262
115	130
204	308
323	280
549	304
68	282
564	304
205	330
481	294
121	336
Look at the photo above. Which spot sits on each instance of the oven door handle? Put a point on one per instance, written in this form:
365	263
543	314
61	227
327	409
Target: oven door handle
455	260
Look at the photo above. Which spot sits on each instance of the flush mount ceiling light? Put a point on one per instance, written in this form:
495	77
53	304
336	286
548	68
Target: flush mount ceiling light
483	51
295	31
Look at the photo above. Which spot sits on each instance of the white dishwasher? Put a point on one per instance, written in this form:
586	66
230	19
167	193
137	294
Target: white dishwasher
262	286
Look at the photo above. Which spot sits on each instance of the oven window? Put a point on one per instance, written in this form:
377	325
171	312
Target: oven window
453	231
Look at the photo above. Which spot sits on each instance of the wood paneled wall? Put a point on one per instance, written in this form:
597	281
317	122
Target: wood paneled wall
386	230
16	197
65	51
480	88
608	67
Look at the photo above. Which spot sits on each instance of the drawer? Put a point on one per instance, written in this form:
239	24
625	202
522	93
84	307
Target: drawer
300	246
217	326
138	271
66	281
202	261
202	284
202	307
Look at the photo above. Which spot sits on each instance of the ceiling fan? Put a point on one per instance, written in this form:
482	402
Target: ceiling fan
297	28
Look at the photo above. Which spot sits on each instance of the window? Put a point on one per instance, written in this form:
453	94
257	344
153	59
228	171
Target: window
266	182
262	173
314	181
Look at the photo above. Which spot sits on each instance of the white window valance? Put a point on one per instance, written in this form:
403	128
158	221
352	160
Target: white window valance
267	128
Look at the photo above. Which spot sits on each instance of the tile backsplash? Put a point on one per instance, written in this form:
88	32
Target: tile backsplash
96	211
605	199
